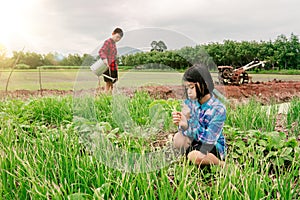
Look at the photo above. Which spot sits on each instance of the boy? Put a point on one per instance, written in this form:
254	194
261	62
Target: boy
108	53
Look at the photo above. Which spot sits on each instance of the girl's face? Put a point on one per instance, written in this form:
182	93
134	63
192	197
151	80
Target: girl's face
191	90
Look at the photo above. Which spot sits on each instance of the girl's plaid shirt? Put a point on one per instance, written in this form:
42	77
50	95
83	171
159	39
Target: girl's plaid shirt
206	123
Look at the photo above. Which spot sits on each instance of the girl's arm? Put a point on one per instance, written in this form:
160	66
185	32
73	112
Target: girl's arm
211	133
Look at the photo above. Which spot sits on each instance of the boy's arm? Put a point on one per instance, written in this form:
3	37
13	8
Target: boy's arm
103	52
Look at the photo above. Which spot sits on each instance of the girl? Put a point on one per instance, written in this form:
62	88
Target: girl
201	121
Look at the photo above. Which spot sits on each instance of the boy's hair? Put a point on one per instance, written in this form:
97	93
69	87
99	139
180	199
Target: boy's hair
119	31
199	74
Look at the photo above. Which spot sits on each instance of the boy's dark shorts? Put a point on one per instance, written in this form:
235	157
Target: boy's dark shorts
113	74
203	148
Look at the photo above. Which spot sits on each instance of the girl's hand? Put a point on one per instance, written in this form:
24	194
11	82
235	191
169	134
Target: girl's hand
176	117
180	119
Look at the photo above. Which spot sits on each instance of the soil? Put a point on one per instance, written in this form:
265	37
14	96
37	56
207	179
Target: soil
275	91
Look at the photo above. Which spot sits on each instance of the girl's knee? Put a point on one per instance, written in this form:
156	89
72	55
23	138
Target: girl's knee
181	141
196	156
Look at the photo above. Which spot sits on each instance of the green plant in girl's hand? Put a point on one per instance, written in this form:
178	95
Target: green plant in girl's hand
169	104
167	107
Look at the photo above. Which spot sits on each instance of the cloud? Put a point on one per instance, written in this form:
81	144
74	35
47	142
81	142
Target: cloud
76	26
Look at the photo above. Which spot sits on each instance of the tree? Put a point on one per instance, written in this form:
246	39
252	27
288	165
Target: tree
49	59
3	52
87	60
2	56
294	52
72	60
158	46
280	54
29	58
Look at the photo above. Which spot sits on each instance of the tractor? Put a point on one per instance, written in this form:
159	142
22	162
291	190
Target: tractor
229	76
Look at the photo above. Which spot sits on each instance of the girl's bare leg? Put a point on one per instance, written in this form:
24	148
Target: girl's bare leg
199	158
181	142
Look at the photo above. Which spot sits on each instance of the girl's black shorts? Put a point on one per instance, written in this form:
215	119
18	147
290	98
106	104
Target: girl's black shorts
203	148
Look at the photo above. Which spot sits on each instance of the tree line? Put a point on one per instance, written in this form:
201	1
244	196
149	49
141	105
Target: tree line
282	53
32	60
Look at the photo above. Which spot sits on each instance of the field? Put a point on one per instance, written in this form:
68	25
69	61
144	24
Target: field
65	79
81	144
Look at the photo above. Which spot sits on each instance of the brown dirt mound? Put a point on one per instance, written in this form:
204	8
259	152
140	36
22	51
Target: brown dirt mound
264	92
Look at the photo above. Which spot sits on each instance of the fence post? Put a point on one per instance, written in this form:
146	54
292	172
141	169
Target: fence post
40	81
12	69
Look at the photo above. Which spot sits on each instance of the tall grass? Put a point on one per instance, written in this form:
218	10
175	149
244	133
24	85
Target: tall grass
42	156
252	116
293	117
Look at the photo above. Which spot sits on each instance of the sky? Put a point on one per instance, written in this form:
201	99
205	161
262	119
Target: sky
81	26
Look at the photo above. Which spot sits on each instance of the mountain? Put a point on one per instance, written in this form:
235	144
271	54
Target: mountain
127	50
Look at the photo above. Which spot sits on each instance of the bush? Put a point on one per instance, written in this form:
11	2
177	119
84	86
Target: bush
23	66
156	60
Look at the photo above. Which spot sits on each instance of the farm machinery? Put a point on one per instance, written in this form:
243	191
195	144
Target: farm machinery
229	76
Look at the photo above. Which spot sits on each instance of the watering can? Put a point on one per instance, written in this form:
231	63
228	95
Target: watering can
99	68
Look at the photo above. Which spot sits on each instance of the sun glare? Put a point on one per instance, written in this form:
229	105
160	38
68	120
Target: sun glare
13	19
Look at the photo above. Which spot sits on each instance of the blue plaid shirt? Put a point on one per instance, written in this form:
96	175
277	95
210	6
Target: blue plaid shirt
206	123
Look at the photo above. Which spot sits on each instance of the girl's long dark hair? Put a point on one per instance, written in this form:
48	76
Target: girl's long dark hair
199	74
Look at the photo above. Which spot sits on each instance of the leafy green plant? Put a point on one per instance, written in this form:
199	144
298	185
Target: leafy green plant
271	146
166	106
